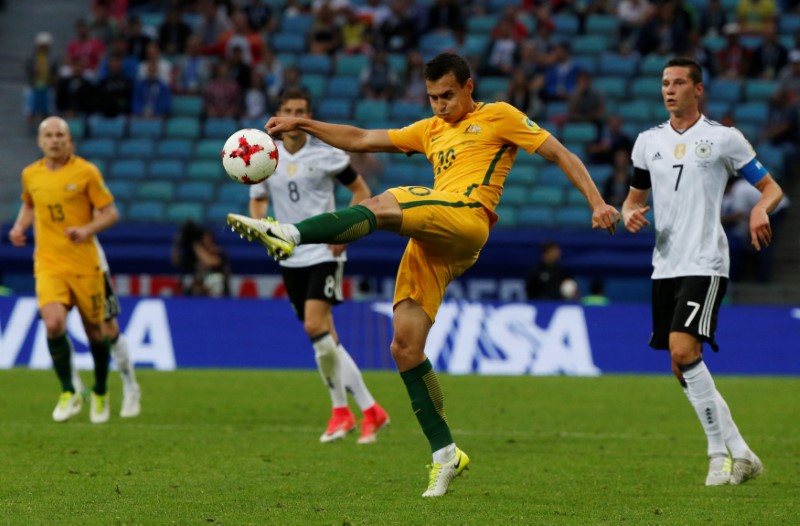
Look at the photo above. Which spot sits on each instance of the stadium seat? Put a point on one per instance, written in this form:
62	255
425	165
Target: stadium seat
589	44
200	191
646	88
128	169
574	197
399	63
400	174
751	113
107	127
617	64
772	158
637	111
315	64
155	191
101	148
182	128
612	87
77	127
329	109
551	176
566	25
433	43
146	128
299	24
210	149
234	195
506	217
714	42
343	87
574	217
547	195
514	195
206	170
587	63
219	128
167	169
289	42
367	111
287	59
523	172
408	111
481	24
187	106
716	110
174	149
121	190
599	172
652	65
217	213
476	45
351	64
607	25
492	88
315	84
725	90
789	23
535	216
759	90
101	164
145	212
136	148
580	132
181	212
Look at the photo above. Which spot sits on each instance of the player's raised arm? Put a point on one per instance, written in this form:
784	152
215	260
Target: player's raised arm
349	138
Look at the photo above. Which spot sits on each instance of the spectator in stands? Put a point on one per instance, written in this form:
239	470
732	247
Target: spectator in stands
373	12
173	32
713	18
325	36
378	79
42	73
117	9
445	16
789	78
120	49
101	25
398	33
138	40
733	60
414	89
292	78
754	14
666	31
152	97
702	54
222	95
356	34
611	140
204	265
632	15
586	103
238	69
255	99
260	17
561	77
783	120
242	36
163	66
75	93
615	187
85	49
597	294
546	277
192	70
115	90
770	56
520	95
271	69
213	23
503	49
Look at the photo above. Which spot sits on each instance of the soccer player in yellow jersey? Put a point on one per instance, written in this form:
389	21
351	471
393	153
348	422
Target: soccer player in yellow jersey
66	200
472	146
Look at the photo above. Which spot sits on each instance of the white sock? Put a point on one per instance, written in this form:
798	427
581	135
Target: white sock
703	395
353	381
329	368
119	351
730	432
446	454
291	233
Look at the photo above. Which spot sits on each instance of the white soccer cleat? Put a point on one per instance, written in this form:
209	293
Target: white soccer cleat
100	410
266	231
745	469
131	403
69	404
719	471
441	475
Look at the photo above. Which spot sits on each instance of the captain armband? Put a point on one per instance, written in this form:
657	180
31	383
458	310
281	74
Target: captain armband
753	171
640	179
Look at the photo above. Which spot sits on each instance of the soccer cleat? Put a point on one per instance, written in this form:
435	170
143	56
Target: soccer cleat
441	475
131	403
342	422
374	419
745	469
101	408
69	404
266	231
719	471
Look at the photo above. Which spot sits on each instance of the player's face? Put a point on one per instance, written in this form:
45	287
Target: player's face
449	100
55	140
294	108
680	93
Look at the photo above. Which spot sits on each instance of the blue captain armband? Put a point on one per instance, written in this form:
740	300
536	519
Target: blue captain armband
753	171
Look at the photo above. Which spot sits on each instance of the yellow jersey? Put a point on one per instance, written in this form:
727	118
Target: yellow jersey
61	199
473	156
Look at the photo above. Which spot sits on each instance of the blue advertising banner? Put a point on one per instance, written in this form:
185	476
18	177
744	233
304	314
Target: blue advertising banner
467	338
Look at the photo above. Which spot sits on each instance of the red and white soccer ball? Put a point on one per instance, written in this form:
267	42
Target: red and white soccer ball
249	156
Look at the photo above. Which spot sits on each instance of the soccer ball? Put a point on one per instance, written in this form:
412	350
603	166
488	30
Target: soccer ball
249	156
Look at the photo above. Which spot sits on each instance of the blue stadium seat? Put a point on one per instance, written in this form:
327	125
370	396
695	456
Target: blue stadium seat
181	212
289	42
182	128
121	190
547	195
506	216
492	88
535	216
328	109
716	110
167	169
565	24
612	87
366	111
759	90
101	164
287	58
789	23
315	64
637	111
187	106
146	128
145	212
574	197
343	87
233	194
616	64
107	127
155	191
652	65
599	172
201	191
433	43
645	88
514	195
136	148
606	25
580	132
408	111
551	176
523	172
574	217
77	127
751	113
101	148
351	64
210	149
772	158
174	149
476	45
589	44
219	128
399	63
714	42
206	171
217	213
128	169
299	24
725	90
587	63
481	24
315	84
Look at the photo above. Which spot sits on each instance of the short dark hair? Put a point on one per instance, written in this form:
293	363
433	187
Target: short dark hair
695	71
445	63
295	93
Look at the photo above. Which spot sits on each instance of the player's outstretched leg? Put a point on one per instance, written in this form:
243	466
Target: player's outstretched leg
265	231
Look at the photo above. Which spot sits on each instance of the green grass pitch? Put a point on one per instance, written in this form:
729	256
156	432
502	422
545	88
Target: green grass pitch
241	447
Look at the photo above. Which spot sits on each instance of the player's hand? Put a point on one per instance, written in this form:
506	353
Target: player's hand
337	250
605	216
17	237
77	234
760	229
635	220
275	126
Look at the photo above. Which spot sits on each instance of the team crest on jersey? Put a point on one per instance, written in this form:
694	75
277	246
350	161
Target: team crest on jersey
680	151
70	187
473	129
702	149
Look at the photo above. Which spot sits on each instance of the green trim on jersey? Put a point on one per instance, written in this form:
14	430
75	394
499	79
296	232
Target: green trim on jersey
496	159
460	204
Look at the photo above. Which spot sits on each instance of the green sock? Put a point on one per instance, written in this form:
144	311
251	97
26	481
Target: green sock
60	350
427	401
342	226
101	352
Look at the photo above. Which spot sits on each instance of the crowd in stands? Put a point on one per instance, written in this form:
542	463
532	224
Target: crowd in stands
590	67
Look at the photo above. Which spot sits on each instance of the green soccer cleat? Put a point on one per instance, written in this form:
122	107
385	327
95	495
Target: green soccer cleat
719	471
100	408
745	469
442	474
266	231
69	404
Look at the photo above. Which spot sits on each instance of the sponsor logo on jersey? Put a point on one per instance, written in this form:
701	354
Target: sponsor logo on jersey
680	151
